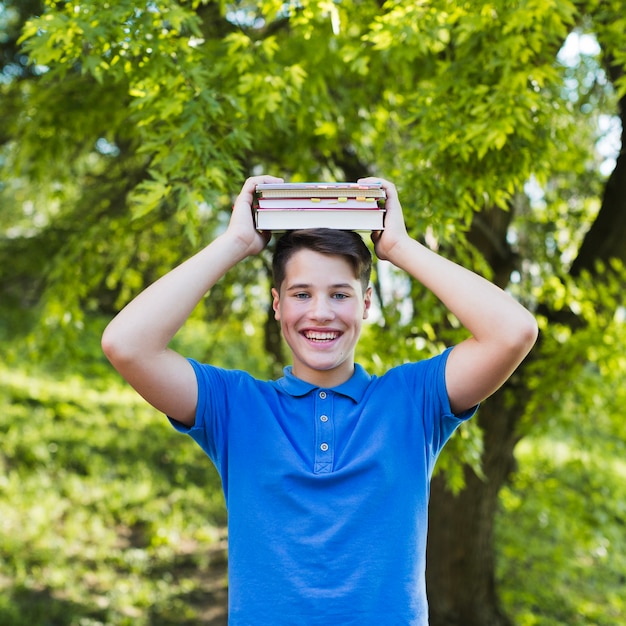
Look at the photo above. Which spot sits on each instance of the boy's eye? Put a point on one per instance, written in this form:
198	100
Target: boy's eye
301	295
340	296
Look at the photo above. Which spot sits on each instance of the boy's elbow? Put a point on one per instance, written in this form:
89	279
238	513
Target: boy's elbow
108	343
114	347
527	333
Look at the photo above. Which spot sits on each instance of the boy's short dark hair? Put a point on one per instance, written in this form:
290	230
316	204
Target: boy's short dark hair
343	243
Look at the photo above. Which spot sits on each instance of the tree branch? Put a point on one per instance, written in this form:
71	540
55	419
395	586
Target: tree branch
605	239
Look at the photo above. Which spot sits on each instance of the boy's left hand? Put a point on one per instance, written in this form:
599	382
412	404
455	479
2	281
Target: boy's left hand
395	229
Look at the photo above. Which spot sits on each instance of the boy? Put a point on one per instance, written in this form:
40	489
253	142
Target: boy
326	471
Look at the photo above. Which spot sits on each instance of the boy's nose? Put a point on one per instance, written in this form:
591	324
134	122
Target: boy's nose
321	309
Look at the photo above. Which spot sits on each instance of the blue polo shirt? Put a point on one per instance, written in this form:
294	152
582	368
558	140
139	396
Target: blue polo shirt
326	490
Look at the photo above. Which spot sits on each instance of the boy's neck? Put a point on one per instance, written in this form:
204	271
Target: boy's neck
326	379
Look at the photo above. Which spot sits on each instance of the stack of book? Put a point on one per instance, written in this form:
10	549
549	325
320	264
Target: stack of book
344	206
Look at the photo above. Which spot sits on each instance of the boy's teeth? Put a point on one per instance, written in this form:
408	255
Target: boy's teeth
320	336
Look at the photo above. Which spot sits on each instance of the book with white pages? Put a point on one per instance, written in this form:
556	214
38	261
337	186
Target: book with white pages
339	219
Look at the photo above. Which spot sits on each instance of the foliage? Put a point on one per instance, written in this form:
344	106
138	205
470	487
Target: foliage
130	128
171	104
590	355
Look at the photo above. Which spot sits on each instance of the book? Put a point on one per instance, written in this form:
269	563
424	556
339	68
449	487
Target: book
344	206
294	219
320	190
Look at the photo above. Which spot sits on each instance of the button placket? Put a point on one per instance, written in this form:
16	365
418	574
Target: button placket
324	433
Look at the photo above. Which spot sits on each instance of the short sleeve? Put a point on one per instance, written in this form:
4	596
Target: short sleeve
210	428
426	380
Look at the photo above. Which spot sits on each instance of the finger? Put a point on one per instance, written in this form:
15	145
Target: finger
387	185
253	181
249	187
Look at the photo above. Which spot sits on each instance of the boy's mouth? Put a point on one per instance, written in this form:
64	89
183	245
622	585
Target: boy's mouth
321	336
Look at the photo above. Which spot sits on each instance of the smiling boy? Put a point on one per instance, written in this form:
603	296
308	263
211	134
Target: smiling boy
326	470
321	300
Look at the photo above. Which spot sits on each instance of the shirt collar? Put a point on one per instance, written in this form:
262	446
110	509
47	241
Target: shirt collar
354	387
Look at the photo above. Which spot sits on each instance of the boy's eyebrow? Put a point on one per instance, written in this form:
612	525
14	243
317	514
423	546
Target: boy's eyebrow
308	286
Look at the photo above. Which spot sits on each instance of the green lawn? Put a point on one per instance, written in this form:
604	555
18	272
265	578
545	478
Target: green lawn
108	516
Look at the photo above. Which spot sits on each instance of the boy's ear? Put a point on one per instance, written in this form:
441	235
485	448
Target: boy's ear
276	303
367	302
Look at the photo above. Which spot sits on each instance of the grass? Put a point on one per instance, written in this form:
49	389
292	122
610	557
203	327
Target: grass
107	515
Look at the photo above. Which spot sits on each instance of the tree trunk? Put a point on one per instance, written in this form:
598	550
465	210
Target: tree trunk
606	238
460	571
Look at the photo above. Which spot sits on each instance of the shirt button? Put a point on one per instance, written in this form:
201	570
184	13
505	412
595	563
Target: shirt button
324	447
324	418
323	395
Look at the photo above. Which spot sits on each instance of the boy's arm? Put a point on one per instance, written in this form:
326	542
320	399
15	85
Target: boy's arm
136	341
502	330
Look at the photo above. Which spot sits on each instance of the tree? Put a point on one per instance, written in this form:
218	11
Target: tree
129	127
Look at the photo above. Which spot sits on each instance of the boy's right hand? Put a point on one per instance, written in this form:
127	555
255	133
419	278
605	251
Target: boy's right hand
242	224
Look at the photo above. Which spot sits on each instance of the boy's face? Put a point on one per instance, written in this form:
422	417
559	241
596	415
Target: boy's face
321	307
